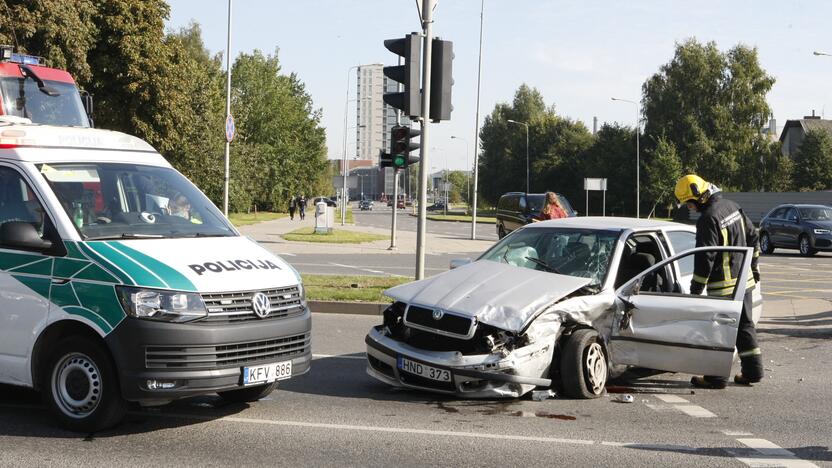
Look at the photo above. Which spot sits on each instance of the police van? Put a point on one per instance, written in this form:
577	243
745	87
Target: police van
121	282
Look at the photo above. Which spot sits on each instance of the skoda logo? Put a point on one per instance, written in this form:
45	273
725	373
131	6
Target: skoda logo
261	304
438	314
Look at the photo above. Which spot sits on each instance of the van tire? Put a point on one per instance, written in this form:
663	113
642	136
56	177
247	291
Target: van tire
248	394
80	386
583	368
501	231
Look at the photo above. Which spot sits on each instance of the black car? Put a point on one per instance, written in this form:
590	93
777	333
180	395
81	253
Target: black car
326	200
438	206
365	205
807	228
516	209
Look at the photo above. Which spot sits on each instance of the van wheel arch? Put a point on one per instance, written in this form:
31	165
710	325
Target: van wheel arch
52	335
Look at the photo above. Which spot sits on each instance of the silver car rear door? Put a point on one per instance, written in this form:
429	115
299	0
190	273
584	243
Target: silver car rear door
674	331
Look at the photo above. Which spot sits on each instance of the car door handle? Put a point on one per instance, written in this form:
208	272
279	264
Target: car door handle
724	319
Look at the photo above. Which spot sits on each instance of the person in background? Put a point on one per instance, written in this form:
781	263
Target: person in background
293	204
552	209
302	206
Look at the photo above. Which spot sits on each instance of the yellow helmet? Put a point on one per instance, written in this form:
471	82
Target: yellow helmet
692	188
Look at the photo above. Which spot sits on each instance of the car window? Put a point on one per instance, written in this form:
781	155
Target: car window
536	202
18	201
681	241
521	203
791	215
583	253
661	282
816	213
779	213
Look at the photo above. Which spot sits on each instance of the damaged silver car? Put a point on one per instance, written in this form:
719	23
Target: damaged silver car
564	304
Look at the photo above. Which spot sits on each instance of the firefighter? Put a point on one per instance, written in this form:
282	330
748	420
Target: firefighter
723	223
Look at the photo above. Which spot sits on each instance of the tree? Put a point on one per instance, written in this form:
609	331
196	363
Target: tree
613	156
556	146
813	162
662	169
710	105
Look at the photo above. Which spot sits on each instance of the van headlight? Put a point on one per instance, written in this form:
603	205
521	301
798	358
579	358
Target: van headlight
165	306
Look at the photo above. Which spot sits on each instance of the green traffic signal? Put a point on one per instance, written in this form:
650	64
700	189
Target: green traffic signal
399	161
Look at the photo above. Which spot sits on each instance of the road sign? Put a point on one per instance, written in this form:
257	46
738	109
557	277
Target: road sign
230	130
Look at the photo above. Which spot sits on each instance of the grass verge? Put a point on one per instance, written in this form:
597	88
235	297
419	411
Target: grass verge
243	219
335	237
349	288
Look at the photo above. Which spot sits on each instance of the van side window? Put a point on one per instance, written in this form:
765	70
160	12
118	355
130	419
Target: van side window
521	205
18	201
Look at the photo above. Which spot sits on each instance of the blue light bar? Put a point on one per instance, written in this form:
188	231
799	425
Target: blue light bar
25	59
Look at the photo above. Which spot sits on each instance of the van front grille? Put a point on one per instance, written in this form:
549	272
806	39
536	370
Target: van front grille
233	307
227	355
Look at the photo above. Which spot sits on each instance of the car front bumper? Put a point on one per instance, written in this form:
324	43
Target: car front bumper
475	376
203	358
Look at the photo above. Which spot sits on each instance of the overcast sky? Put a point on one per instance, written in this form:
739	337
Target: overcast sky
577	53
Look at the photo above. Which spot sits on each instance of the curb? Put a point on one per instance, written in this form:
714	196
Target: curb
354	308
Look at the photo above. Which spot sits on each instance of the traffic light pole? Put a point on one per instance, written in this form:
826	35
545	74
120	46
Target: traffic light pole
427	26
395	180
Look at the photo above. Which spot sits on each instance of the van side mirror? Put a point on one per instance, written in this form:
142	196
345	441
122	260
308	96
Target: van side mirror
22	235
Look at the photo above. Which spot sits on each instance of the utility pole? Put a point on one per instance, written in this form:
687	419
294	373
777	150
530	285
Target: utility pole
477	133
228	118
427	27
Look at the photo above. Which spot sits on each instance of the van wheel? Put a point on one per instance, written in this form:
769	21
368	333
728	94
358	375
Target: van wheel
501	231
80	386
584	368
248	394
765	244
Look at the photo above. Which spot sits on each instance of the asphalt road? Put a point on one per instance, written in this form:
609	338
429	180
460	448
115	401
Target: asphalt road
381	217
338	416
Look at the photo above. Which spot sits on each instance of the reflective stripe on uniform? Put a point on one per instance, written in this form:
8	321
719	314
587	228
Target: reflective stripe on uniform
700	279
751	352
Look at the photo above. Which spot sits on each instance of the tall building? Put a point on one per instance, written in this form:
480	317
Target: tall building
374	119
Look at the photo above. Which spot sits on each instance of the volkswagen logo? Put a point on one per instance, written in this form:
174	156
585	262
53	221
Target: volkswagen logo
438	314
261	305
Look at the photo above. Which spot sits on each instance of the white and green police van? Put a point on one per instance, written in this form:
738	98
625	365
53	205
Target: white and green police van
121	282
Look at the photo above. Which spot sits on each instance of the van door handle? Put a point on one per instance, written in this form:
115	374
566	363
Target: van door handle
724	319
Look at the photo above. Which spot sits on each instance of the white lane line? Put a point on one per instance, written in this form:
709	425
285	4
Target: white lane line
775	455
337	356
286	254
672	399
736	433
695	411
661	408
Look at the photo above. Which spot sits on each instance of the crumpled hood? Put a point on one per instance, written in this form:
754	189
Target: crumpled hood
498	294
205	265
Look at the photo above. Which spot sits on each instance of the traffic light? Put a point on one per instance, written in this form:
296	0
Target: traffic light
401	146
410	48
441	79
385	159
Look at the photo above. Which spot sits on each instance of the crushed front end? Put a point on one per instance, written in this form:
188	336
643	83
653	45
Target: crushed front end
440	351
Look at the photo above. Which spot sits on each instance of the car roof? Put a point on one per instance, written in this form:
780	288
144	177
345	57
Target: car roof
612	223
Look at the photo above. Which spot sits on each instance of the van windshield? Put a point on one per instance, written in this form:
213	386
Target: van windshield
22	98
125	201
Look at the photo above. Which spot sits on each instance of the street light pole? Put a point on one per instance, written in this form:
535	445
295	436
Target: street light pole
527	149
227	114
477	132
638	156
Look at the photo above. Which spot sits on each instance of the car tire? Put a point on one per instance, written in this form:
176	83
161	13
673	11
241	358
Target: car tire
248	394
80	386
501	231
805	246
765	244
584	370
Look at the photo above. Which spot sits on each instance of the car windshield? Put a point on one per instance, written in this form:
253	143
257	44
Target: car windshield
816	213
22	98
585	253
123	201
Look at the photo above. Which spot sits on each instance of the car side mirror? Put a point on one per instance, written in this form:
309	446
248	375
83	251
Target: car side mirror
22	235
458	262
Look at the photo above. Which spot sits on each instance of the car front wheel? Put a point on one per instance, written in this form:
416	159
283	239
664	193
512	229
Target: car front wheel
765	244
80	386
584	368
805	246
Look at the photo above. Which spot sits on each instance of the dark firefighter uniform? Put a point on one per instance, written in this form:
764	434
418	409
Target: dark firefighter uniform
723	223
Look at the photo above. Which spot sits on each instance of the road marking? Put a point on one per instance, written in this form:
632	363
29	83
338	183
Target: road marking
695	411
736	433
337	356
284	254
671	399
775	455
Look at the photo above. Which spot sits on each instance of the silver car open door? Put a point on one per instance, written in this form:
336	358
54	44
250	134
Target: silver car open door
659	326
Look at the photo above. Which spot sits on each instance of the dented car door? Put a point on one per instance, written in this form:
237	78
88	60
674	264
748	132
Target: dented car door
667	329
